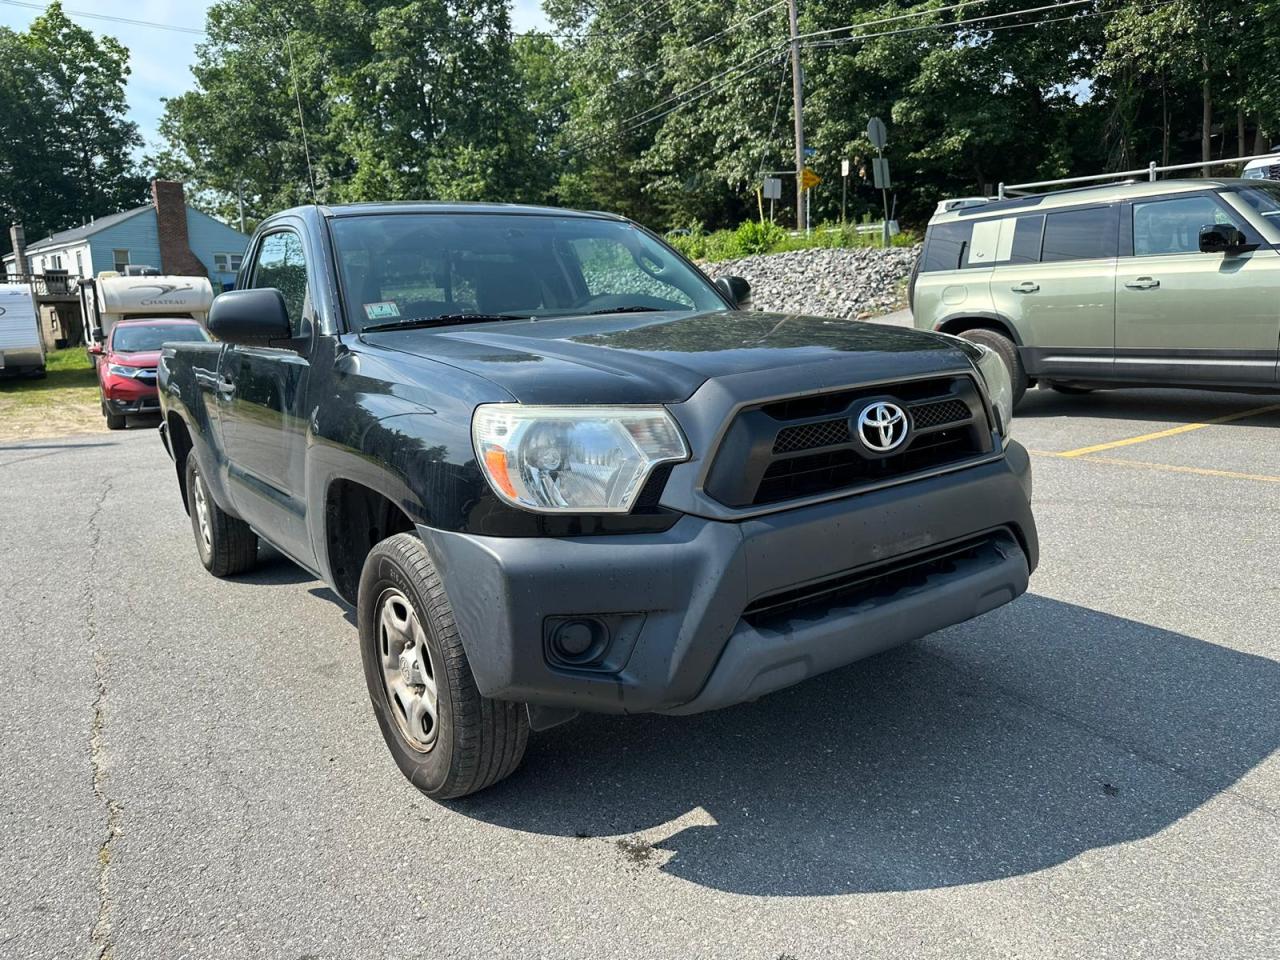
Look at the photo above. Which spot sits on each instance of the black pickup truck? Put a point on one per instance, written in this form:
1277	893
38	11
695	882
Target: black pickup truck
556	469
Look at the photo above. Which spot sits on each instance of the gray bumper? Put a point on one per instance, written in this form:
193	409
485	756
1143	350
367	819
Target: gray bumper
711	613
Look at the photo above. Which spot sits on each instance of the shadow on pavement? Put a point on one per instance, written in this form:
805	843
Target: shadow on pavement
274	569
1155	405
1000	747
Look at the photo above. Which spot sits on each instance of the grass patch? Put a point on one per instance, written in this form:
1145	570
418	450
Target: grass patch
65	401
753	237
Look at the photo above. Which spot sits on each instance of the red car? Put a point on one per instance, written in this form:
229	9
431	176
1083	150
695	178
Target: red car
127	364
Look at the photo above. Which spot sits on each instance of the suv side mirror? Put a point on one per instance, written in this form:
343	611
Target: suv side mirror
737	289
95	349
250	317
1222	238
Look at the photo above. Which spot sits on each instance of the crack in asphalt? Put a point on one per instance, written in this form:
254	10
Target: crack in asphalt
101	932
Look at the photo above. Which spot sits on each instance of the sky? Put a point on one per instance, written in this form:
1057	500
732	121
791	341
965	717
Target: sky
161	59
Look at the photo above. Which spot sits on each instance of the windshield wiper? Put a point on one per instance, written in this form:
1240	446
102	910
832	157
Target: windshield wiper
633	309
442	320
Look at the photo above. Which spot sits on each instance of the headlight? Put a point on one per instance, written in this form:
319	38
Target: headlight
999	387
573	459
120	371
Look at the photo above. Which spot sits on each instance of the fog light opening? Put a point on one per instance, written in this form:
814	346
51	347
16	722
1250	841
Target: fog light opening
579	641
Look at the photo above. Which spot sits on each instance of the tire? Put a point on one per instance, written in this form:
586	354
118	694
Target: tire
407	635
115	421
226	545
1007	352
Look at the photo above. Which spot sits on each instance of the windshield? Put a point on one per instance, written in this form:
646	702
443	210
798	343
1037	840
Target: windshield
144	337
412	266
1264	197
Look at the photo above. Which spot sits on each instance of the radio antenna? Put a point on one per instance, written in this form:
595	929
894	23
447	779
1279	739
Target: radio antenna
297	94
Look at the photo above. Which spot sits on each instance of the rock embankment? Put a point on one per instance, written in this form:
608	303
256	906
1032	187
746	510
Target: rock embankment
847	284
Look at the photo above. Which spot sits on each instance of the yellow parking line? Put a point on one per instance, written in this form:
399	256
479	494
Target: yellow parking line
1172	431
1198	471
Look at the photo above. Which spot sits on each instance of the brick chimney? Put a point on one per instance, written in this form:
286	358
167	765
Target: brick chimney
18	237
176	258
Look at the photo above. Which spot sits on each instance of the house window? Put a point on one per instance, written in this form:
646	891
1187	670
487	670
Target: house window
119	260
55	262
79	263
227	262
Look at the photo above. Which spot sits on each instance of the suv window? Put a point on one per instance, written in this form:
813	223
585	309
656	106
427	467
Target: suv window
280	263
1173	225
1081	234
946	245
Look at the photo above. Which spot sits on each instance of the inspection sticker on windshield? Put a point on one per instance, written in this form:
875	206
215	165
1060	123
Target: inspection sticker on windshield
381	311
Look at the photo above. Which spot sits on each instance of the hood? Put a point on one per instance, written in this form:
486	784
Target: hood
142	358
665	357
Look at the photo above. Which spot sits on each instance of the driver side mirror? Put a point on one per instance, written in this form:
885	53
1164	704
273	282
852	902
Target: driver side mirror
737	289
250	317
1223	238
95	349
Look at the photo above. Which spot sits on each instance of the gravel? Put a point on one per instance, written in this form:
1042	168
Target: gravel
824	282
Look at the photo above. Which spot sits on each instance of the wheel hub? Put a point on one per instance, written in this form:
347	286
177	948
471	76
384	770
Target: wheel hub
408	673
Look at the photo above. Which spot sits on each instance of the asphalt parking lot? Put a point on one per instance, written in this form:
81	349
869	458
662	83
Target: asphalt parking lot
191	767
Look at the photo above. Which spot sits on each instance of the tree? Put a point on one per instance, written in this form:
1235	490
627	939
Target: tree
66	152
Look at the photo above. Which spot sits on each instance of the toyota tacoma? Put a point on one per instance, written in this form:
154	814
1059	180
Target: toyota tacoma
555	469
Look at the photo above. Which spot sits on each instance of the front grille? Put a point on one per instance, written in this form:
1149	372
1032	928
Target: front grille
874	584
825	433
808	446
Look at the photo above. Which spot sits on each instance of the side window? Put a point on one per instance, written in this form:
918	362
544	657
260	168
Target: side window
1173	226
281	264
609	270
1081	234
945	246
1027	234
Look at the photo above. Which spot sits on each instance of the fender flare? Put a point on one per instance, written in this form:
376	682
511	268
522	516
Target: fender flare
965	320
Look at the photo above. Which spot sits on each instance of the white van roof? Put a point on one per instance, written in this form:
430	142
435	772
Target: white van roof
172	296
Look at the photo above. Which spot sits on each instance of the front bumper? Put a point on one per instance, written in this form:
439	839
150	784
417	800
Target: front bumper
126	395
679	607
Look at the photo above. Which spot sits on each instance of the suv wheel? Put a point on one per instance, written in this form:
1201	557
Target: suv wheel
445	737
115	421
226	544
1007	352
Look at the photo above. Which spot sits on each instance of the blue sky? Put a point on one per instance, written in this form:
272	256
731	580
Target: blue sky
161	59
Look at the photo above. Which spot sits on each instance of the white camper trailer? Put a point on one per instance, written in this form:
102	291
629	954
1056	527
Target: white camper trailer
109	297
21	349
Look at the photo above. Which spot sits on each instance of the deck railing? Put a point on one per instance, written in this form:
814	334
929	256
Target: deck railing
49	284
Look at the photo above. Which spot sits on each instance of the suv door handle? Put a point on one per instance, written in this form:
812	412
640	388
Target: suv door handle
1026	286
225	386
1143	283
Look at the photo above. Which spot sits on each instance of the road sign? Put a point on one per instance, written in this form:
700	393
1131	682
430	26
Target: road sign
876	133
810	151
844	168
772	188
880	173
809	179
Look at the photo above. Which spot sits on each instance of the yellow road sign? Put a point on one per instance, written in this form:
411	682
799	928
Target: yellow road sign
809	179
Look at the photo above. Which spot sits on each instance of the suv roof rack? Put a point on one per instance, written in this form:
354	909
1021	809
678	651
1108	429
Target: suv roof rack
1152	171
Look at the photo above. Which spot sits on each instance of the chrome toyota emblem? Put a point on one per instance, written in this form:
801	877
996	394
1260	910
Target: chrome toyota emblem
882	426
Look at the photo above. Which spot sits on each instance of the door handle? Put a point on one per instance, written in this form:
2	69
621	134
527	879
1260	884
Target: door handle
225	386
1142	283
1026	286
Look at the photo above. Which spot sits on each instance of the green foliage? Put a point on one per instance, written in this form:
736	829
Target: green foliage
752	237
671	113
65	146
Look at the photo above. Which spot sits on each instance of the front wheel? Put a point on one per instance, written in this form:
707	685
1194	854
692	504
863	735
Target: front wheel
1008	352
115	421
226	544
445	737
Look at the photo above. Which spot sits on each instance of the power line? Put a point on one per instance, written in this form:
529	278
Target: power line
195	31
948	24
909	15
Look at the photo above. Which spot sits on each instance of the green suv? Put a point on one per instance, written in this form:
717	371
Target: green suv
1166	283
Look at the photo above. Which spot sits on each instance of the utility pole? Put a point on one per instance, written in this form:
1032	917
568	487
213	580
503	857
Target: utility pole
797	97
240	201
